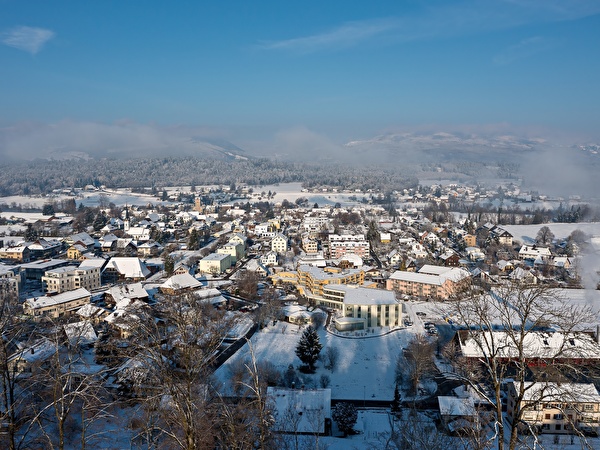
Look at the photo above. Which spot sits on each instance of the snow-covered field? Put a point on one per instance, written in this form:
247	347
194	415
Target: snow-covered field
527	233
365	370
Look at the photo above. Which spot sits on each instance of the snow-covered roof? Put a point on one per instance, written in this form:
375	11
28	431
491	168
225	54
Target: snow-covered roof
181	281
80	332
456	407
563	392
357	295
65	297
128	267
536	345
310	407
128	291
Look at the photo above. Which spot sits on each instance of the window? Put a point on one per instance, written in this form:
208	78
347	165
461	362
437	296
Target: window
558	427
558	417
588	407
547	416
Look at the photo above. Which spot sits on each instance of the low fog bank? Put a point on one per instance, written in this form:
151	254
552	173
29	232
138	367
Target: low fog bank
552	163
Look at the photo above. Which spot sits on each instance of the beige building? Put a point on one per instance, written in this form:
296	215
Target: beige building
431	281
233	249
19	253
557	408
215	263
68	278
309	245
57	305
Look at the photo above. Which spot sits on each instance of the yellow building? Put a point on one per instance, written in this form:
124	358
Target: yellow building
314	279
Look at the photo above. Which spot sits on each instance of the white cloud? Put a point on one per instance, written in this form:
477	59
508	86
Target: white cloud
524	49
444	20
28	39
346	35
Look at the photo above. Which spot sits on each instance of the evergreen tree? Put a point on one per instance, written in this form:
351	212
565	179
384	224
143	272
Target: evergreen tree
396	402
169	265
309	347
48	209
30	234
345	416
193	243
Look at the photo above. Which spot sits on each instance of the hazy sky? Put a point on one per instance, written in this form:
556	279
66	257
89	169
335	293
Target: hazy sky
338	67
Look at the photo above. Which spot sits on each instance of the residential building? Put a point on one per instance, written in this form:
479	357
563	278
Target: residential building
233	249
180	283
119	269
215	263
57	305
430	281
68	278
558	408
19	253
339	245
377	307
540	348
279	243
534	252
43	248
37	269
269	259
310	246
314	279
502	236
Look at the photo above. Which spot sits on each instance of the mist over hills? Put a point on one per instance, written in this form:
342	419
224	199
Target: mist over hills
558	167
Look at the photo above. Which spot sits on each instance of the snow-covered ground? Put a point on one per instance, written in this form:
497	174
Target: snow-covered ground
365	370
527	233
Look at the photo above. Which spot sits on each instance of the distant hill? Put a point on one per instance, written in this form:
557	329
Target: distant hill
443	147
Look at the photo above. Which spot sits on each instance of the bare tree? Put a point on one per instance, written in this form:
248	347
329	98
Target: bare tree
544	236
248	421
270	307
498	331
176	345
247	284
331	357
14	396
415	431
419	360
68	386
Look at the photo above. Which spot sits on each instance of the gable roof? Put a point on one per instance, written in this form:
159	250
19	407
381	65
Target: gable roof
129	267
181	281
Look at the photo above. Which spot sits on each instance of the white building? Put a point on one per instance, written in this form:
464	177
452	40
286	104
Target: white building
377	307
339	245
68	278
279	243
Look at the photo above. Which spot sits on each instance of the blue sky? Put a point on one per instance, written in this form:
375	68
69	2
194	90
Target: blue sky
347	69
